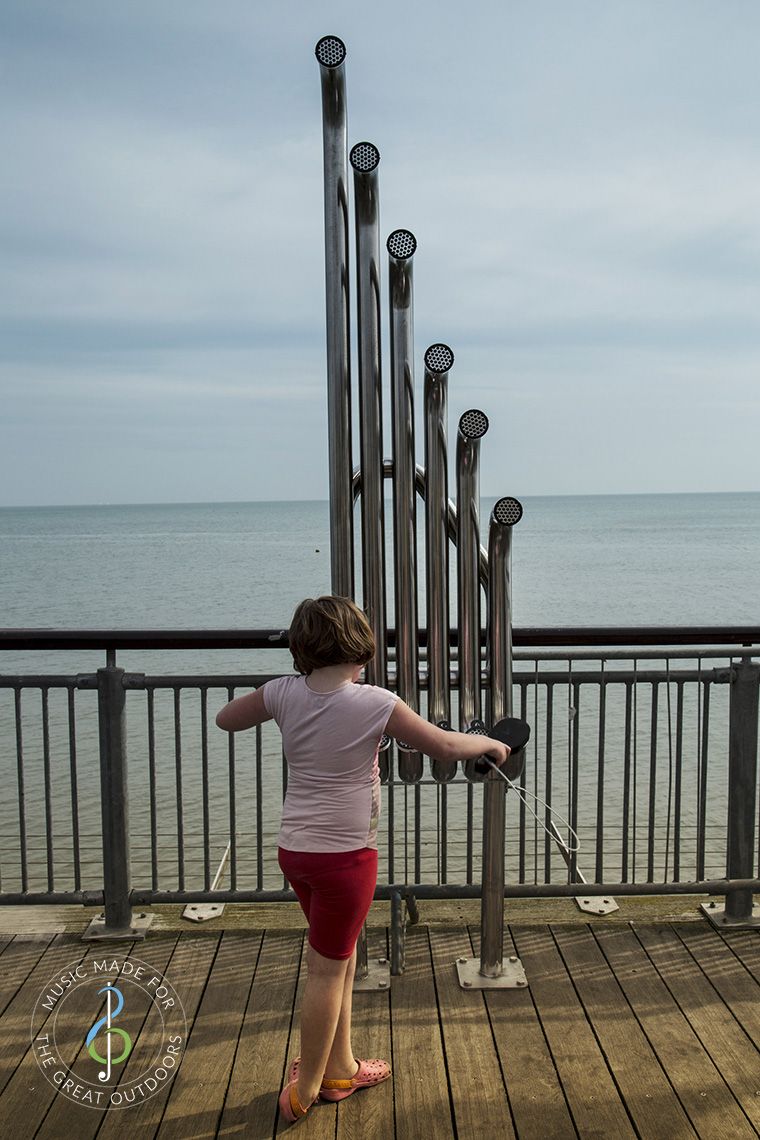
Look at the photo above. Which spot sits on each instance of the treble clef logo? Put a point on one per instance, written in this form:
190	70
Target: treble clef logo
109	1030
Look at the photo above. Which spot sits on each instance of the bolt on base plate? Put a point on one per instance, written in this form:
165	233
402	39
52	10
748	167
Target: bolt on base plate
98	932
512	976
378	976
719	919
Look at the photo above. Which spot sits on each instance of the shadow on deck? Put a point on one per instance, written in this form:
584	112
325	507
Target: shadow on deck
642	1029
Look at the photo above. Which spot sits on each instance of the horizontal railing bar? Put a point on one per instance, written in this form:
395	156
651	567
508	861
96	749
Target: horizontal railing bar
139	897
466	890
200	681
640	654
18	639
142	681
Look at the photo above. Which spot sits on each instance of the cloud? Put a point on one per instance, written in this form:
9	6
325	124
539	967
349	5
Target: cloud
581	179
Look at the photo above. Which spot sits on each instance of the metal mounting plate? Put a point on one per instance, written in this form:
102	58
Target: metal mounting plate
378	976
596	905
202	912
512	975
717	916
97	931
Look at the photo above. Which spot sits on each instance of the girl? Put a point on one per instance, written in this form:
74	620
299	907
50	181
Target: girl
327	846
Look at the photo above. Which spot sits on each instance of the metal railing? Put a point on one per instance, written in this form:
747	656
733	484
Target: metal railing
650	755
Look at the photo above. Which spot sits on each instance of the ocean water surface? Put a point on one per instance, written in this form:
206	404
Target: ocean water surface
597	560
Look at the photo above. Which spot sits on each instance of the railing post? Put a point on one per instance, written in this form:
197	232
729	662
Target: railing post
117	921
742	796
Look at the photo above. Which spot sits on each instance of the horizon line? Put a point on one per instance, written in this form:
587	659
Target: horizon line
263	502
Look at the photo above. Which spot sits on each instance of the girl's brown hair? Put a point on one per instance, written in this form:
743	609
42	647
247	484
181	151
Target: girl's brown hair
329	631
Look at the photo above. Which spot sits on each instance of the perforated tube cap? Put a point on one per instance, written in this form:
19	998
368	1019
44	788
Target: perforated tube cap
473	424
439	359
330	51
364	157
401	244
508	511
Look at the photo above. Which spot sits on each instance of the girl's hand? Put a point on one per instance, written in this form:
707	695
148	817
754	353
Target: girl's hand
497	751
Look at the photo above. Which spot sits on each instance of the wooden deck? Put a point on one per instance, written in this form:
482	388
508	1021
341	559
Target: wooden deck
627	1029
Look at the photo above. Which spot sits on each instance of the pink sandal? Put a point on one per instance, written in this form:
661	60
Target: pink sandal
369	1074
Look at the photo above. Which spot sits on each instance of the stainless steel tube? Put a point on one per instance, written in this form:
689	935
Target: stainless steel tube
331	53
505	515
473	425
401	246
364	159
438	361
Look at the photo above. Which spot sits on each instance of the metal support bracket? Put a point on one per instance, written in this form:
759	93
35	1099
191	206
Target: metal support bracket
377	977
512	976
596	905
202	912
97	931
722	921
404	910
589	905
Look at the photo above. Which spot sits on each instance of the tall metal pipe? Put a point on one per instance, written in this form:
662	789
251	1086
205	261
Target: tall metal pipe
401	246
505	515
331	53
473	425
365	159
438	361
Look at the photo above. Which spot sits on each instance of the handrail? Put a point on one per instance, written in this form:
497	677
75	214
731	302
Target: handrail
60	639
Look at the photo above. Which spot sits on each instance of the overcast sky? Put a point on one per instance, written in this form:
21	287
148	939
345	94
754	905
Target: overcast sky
582	176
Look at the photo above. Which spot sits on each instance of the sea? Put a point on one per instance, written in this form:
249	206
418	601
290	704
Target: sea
616	560
681	559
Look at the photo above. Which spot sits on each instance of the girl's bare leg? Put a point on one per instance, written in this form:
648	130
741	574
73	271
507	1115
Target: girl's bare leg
341	1062
323	1000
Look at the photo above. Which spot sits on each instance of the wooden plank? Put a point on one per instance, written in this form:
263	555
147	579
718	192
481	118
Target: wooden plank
25	1092
646	1091
591	1093
53	918
322	1118
65	1117
535	1094
733	982
419	1066
188	971
369	1113
26	918
197	1095
704	1094
745	944
19	957
721	1035
258	1073
479	1098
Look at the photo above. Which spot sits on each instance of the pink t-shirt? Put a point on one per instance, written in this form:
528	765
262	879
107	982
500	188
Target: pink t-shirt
331	744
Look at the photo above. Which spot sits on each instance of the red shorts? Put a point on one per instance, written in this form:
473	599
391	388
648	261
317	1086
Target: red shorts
335	889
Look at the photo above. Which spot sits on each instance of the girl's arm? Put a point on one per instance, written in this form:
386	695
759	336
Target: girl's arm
243	712
436	742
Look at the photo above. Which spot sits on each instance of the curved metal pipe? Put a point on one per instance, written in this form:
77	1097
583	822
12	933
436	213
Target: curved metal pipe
365	159
451	510
506	513
401	246
438	360
331	53
473	425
